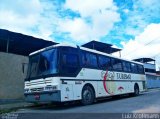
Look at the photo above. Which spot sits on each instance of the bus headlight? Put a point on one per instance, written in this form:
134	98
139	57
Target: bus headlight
26	90
50	88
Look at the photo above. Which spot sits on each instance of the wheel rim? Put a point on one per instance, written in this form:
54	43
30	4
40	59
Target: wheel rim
87	96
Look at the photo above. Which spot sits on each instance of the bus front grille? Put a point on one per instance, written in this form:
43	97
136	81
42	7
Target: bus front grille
37	89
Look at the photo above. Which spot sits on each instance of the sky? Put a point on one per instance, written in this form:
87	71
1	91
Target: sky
132	25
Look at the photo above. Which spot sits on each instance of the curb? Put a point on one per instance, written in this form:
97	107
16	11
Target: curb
6	108
152	89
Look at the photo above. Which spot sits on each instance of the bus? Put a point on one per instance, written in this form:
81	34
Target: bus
63	73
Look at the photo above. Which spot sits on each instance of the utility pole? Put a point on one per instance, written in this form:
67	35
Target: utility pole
7	45
120	54
7	48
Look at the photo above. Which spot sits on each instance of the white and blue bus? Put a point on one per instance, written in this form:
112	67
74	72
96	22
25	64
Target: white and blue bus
62	73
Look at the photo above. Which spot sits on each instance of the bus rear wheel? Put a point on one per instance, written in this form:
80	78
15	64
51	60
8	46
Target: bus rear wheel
88	95
136	90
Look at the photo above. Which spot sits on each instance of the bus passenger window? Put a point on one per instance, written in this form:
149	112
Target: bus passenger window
93	60
117	64
70	59
89	60
140	69
70	64
104	62
134	68
85	60
126	66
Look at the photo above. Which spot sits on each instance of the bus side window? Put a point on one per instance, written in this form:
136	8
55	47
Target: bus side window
92	60
104	62
134	68
70	60
89	60
116	64
126	66
70	64
140	69
85	61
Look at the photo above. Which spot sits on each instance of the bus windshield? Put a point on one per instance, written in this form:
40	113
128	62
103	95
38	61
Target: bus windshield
42	64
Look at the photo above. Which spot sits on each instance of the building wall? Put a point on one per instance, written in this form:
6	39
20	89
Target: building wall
12	76
153	81
149	66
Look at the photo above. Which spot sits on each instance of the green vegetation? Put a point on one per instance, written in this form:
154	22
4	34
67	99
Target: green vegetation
7	111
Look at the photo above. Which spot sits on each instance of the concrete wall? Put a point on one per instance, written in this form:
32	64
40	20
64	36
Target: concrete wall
11	76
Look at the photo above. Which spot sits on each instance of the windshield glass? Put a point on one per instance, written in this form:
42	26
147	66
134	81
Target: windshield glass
42	64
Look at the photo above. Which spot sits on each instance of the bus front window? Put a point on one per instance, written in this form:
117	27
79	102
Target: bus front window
42	64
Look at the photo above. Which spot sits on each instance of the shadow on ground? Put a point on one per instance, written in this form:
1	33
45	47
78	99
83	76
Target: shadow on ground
68	105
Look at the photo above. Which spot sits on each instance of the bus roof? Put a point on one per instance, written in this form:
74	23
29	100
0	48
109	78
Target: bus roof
82	48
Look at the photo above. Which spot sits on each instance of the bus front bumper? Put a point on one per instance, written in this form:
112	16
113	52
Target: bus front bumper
46	96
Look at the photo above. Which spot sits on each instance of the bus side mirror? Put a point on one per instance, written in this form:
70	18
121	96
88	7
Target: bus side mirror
24	67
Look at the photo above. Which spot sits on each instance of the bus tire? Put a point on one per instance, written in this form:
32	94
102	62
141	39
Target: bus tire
88	95
136	90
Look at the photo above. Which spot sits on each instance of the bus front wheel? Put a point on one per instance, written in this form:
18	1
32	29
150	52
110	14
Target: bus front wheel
87	95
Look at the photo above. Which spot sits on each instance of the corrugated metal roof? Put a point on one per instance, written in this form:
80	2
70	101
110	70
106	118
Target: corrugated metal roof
144	60
102	47
21	44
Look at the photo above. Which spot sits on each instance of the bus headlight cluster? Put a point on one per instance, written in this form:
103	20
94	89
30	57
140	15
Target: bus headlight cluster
50	88
26	90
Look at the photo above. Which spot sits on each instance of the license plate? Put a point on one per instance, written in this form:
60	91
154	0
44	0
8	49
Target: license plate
37	97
